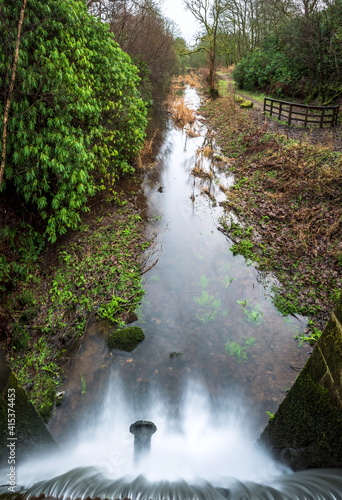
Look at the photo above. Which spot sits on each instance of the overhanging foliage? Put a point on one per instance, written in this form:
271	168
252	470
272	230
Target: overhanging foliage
75	115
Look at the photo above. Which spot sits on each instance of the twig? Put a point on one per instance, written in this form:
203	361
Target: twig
149	268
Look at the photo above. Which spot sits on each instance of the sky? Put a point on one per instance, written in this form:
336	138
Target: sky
174	9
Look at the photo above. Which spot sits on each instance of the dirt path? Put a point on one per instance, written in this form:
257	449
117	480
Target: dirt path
231	86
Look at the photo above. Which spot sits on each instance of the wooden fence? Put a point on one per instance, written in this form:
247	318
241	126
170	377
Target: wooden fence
301	113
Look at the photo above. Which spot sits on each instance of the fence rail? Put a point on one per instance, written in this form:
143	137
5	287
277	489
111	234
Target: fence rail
302	113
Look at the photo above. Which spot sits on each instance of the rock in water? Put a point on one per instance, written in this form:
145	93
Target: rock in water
126	339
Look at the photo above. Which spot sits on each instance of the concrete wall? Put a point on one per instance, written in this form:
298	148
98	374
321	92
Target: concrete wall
306	431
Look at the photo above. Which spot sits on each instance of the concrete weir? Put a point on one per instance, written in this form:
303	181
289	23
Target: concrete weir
306	431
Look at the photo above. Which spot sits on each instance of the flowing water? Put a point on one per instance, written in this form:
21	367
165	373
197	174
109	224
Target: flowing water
217	356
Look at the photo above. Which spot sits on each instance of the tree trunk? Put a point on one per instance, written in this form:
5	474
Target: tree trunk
211	77
10	92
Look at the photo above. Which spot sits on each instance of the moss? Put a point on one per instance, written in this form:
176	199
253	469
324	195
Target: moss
126	339
338	311
330	347
247	104
306	431
30	430
48	398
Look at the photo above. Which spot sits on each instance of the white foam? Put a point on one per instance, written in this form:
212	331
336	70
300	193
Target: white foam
199	443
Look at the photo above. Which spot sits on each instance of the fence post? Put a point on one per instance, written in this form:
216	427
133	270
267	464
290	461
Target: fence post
308	108
335	116
306	116
280	105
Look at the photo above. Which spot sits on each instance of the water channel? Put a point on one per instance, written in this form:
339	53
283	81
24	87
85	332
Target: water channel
216	358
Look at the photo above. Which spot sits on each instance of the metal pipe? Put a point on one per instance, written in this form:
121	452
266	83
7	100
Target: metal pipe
143	432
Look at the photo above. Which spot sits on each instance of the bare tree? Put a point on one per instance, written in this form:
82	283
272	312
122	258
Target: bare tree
104	9
142	32
209	15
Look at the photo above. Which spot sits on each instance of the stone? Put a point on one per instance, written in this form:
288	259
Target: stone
247	104
125	339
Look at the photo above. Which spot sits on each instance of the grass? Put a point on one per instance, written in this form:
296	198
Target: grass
200	172
180	82
38	372
254	96
99	277
192	79
254	314
224	89
208	305
239	349
146	156
181	114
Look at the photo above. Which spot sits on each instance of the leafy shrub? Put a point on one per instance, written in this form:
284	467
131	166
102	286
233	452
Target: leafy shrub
76	116
265	69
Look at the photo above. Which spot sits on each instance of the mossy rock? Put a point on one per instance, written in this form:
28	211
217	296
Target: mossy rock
30	431
306	431
48	400
247	104
126	339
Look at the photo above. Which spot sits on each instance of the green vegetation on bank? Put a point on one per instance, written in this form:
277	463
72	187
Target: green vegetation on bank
76	116
289	193
226	85
97	274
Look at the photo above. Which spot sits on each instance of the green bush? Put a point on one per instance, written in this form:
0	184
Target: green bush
75	117
265	69
301	59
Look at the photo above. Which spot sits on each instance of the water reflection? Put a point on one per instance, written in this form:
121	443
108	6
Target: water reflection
191	304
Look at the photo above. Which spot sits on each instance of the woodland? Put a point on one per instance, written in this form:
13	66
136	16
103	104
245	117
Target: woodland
281	47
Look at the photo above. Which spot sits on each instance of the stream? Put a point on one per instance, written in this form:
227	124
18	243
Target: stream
216	358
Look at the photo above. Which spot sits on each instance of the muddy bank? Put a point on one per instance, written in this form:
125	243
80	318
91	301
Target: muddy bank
287	196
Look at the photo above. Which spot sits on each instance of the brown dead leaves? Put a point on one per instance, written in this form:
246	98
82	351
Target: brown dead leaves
291	193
